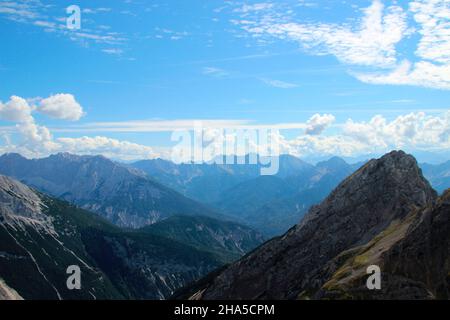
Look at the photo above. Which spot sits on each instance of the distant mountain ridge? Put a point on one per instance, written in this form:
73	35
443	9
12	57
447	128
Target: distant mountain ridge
148	191
123	195
192	179
438	175
271	204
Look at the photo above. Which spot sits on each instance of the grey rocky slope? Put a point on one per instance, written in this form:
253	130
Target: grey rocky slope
297	264
413	254
41	236
7	293
124	196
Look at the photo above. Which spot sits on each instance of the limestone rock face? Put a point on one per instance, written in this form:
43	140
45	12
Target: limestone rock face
21	207
297	264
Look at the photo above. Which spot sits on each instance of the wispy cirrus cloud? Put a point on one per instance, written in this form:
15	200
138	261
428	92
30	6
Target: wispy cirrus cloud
96	10
371	42
412	131
246	8
279	84
432	68
215	72
165	33
222	73
48	17
113	51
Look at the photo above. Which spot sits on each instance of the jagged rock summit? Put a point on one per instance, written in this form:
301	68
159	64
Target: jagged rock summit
300	262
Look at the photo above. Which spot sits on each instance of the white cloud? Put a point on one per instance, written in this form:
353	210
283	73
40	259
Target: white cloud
433	70
107	147
16	109
279	84
18	11
316	146
215	72
318	123
414	130
113	51
371	41
61	106
254	7
45	24
433	16
48	17
95	10
37	141
423	73
153	125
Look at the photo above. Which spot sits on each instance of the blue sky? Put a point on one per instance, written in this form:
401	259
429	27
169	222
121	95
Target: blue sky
364	76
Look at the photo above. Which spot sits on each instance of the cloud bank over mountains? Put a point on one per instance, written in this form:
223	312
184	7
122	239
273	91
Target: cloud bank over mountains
34	140
319	135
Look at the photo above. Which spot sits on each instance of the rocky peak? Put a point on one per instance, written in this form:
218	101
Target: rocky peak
364	204
387	188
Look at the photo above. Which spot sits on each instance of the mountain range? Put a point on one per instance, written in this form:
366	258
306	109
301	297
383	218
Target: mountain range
385	214
270	204
149	191
124	196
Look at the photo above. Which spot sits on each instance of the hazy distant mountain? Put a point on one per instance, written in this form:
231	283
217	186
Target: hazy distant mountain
244	197
273	204
201	182
41	236
438	175
125	196
227	240
207	182
384	214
